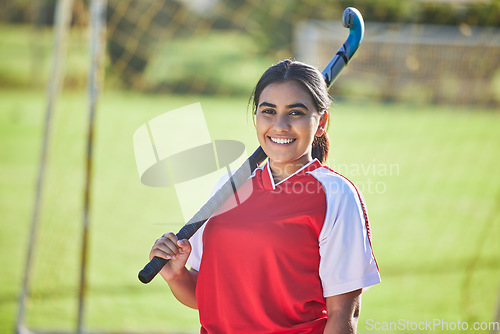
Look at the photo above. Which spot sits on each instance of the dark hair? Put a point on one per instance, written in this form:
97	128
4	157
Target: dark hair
313	82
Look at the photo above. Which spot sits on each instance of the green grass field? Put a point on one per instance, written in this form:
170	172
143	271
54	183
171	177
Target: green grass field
429	175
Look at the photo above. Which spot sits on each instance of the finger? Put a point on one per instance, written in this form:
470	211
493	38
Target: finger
165	247
171	237
167	241
160	253
168	247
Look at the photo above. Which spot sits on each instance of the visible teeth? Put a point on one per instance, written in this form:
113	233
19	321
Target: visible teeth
282	140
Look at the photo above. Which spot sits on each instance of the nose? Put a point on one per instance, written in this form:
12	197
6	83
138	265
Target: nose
281	123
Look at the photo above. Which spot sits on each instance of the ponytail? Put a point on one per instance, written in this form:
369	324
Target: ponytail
320	147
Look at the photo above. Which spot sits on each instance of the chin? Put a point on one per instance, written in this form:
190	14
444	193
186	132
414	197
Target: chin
281	159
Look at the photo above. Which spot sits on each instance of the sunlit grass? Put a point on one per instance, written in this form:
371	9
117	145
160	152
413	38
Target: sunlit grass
428	174
434	217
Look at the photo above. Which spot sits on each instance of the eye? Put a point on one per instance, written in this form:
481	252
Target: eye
296	112
268	111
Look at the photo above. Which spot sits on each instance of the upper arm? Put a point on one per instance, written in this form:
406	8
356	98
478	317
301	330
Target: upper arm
347	262
343	312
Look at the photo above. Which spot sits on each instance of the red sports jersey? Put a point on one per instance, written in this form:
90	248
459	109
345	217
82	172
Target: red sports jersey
267	265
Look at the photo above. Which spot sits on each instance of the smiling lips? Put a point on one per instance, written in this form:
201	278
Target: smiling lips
282	140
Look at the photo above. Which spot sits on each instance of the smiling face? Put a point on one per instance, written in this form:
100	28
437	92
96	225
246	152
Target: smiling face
287	122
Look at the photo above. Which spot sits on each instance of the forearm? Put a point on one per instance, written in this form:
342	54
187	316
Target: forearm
183	286
343	313
341	325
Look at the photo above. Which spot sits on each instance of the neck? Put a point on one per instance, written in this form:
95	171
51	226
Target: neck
281	171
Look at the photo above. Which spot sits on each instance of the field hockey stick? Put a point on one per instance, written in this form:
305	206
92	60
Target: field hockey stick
351	19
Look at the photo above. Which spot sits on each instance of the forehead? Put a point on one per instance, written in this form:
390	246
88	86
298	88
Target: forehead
285	93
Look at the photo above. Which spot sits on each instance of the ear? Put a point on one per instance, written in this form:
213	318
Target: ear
323	121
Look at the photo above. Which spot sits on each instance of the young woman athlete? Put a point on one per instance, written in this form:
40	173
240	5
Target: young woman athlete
295	255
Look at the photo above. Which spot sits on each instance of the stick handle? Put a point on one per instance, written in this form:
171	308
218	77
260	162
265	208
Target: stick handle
208	209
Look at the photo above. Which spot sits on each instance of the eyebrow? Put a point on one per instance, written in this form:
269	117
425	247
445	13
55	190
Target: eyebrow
290	106
297	105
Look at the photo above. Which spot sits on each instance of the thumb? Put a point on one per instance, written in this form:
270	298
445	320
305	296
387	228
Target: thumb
184	245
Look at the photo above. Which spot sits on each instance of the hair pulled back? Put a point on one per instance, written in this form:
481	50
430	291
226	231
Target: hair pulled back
312	81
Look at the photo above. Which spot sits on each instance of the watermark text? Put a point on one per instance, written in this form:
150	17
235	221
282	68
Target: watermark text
430	325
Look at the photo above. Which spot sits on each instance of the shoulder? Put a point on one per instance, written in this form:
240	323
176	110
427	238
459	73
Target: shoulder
342	195
334	183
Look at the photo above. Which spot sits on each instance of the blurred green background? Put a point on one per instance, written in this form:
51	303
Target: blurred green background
423	149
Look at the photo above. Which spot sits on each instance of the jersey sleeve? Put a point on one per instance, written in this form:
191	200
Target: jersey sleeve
347	262
196	240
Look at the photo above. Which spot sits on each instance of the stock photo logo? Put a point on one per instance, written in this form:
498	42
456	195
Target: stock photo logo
372	177
175	149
